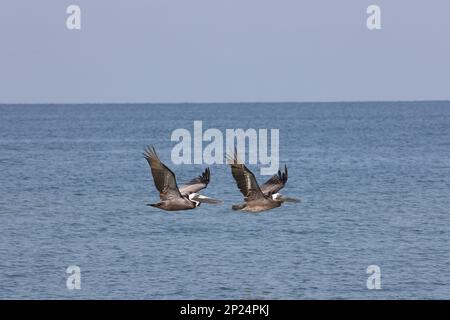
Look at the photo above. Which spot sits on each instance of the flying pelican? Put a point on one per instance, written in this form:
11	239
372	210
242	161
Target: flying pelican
258	198
172	197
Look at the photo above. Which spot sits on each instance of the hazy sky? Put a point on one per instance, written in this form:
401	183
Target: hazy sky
223	51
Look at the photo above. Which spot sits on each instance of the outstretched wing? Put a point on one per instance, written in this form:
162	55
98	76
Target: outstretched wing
245	179
197	184
163	177
275	183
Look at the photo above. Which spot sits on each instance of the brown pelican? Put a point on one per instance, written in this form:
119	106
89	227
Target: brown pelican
172	197
258	198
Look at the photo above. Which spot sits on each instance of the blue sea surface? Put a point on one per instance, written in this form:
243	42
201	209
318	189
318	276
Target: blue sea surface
374	179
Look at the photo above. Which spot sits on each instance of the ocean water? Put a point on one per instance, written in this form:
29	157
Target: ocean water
374	179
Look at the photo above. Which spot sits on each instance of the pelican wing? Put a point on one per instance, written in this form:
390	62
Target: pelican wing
197	184
275	183
245	179
163	177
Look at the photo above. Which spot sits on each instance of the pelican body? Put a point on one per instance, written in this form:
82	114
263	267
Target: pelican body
258	198
173	198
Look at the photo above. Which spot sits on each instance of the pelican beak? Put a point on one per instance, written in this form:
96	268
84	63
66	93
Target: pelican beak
293	200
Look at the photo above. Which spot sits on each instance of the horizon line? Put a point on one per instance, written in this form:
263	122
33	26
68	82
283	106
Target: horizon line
217	102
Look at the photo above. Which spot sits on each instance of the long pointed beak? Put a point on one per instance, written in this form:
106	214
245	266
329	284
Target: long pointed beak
293	200
210	200
204	199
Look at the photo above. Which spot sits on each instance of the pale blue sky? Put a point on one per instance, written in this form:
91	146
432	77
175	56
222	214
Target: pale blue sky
223	51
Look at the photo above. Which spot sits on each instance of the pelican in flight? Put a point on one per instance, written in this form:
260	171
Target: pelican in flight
173	198
258	198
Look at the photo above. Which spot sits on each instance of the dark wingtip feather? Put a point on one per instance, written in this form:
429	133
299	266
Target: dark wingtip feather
146	153
233	159
150	153
206	175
